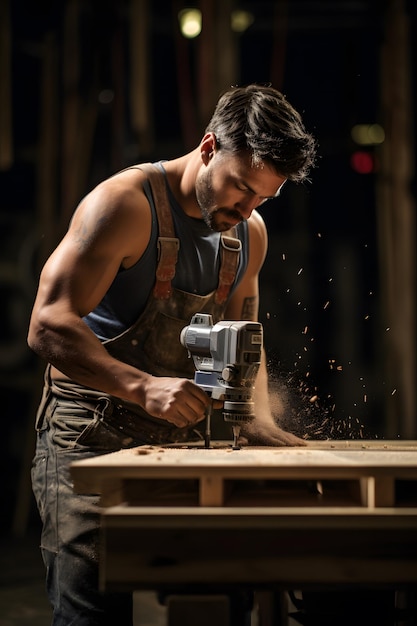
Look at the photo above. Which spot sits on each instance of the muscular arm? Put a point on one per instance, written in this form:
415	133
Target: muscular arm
245	305
109	230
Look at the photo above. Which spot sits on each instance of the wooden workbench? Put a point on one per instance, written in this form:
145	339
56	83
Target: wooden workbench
333	512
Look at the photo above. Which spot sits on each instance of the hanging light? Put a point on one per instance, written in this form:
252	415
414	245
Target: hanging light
241	20
190	22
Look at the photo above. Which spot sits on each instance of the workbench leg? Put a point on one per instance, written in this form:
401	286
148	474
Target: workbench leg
361	606
202	610
206	610
272	608
406	603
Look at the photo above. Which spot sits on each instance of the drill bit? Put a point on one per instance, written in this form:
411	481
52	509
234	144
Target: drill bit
207	433
236	433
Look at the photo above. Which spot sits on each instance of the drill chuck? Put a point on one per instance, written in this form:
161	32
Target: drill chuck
238	411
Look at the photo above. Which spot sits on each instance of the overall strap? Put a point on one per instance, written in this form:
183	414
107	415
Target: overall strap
230	255
168	244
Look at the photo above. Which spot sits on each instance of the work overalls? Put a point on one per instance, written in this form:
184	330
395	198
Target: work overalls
74	423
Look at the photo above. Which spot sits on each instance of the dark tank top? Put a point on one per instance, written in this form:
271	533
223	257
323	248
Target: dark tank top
196	271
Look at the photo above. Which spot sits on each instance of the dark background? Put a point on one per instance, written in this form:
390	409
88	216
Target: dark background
321	293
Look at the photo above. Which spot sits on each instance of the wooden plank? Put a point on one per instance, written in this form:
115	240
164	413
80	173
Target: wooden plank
258	518
364	473
123	575
222	546
263	461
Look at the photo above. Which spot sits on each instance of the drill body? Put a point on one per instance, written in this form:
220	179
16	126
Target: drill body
226	356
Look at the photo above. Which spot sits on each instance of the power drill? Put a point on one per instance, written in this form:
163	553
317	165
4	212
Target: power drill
226	356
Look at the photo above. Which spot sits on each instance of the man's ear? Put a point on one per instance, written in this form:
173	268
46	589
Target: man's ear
207	147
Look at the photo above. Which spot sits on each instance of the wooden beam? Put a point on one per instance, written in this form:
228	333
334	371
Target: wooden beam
6	116
141	69
397	226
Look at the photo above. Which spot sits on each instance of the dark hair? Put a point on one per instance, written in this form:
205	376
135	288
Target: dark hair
259	119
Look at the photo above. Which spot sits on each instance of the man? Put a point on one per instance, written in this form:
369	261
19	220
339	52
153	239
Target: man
145	250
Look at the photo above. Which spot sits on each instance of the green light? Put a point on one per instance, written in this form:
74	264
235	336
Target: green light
368	134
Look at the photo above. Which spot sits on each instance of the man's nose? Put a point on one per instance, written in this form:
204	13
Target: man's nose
246	206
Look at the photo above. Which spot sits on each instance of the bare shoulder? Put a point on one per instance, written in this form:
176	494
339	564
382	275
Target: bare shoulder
115	214
256	223
117	198
258	238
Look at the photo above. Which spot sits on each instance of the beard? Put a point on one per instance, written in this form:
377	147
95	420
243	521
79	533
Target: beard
216	218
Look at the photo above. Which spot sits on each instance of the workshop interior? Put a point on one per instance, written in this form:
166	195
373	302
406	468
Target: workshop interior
90	87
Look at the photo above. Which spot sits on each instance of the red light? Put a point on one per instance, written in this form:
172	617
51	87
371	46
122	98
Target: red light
362	162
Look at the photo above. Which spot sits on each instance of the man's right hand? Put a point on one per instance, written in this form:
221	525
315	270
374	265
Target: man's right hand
177	400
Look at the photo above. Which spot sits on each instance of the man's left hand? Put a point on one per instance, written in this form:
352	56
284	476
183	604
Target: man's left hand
261	434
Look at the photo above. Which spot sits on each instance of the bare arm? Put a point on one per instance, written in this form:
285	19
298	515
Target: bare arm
110	229
245	305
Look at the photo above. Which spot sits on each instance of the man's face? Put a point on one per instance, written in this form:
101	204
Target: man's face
229	188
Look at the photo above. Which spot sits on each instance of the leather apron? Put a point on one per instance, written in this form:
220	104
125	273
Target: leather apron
152	344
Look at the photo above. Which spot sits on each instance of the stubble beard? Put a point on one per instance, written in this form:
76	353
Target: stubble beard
205	198
206	201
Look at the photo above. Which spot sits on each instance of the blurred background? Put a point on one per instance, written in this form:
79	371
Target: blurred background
89	87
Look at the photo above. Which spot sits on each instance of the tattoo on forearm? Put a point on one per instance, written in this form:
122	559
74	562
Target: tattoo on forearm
249	308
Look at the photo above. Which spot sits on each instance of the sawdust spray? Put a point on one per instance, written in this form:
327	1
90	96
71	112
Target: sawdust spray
298	407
